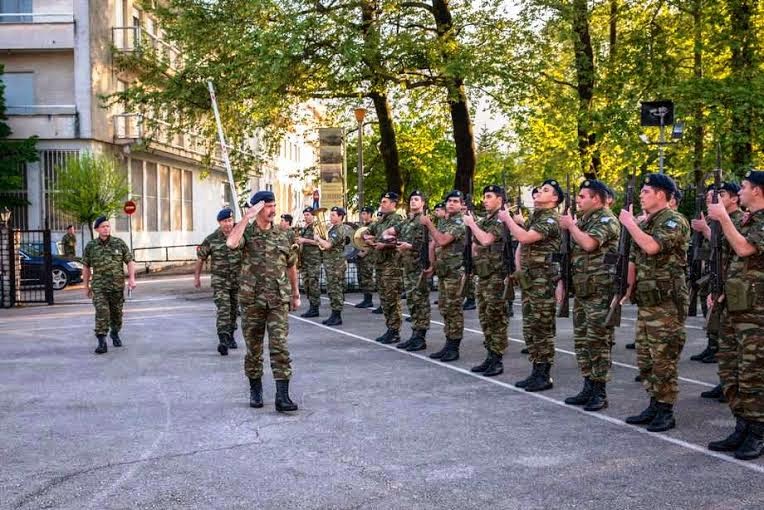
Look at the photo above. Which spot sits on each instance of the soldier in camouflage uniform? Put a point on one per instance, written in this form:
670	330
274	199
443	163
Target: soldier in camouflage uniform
103	259
411	239
69	243
469	288
335	264
728	195
537	276
286	226
657	265
365	265
268	289
225	266
594	237
449	239
488	244
310	262
741	343
389	274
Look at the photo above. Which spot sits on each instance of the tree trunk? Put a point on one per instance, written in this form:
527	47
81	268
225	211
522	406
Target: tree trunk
584	58
613	31
388	146
742	69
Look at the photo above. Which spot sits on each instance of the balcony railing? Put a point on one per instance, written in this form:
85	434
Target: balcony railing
137	39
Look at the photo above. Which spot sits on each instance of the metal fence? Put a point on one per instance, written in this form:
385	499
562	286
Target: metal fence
26	259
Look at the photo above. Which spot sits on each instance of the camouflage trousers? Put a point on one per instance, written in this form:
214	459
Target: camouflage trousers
450	306
469	288
366	281
227	302
492	313
659	338
390	281
741	362
335	283
108	305
310	282
592	340
539	310
418	299
713	336
255	319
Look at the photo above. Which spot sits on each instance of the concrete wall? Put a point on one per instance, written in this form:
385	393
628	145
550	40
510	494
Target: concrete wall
53	74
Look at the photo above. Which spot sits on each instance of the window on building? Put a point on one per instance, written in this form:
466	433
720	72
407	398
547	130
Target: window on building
188	200
164	198
151	197
50	162
176	199
136	192
14	7
121	223
19	90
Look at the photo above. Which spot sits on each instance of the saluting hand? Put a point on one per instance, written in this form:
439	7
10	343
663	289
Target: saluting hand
252	211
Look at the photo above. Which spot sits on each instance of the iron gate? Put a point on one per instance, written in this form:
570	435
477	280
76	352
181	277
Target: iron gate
28	261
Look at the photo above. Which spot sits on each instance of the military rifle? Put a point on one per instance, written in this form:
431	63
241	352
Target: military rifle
424	254
468	268
565	263
621	262
508	259
695	256
716	274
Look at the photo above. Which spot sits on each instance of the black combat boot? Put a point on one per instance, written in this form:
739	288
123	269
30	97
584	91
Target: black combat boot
469	304
543	380
335	319
283	402
223	344
408	319
710	357
418	343
734	440
638	378
256	393
598	400
664	418
495	367
231	342
378	310
753	445
523	383
366	303
710	350
715	392
583	396
452	350
439	354
312	312
384	336
645	416
116	341
524	350
631	346
393	337
484	365
102	347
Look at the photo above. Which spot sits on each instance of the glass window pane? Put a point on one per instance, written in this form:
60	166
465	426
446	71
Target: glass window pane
176	194
151	197
164	198
136	193
188	200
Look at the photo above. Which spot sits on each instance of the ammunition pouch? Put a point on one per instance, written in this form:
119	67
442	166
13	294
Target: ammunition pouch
482	268
740	294
652	292
523	279
585	285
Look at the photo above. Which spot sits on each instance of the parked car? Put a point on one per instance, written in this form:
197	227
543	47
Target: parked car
63	271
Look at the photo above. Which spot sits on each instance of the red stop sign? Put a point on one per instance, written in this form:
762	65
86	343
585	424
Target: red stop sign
130	207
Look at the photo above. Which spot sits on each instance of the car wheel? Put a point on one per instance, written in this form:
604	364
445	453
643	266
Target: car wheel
59	277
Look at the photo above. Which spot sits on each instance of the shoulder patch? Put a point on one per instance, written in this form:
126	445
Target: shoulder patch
550	220
458	221
671	224
605	219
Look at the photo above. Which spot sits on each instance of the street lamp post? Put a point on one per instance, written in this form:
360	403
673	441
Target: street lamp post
360	113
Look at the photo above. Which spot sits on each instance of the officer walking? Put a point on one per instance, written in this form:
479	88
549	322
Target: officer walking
69	243
102	262
310	262
335	264
225	268
657	282
365	264
268	289
594	236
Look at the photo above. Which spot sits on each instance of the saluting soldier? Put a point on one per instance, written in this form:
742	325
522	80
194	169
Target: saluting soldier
103	261
69	243
538	275
594	237
268	290
310	262
488	246
657	283
365	264
449	240
389	274
335	264
410	234
741	343
225	267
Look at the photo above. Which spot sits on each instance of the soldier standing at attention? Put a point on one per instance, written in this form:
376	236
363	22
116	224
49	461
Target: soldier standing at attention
268	289
469	290
595	236
286	226
389	274
537	276
449	238
488	246
310	262
69	243
335	264
410	234
365	265
656	280
741	343
225	267
102	260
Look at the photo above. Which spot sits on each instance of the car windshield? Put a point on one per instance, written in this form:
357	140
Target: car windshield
32	249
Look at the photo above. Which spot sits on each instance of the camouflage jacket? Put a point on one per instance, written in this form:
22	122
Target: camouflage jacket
310	255
387	257
225	263
69	244
412	232
450	258
266	256
672	233
603	226
539	254
751	268
105	259
337	235
488	260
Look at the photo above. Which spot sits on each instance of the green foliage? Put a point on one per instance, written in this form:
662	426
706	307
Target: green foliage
90	186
